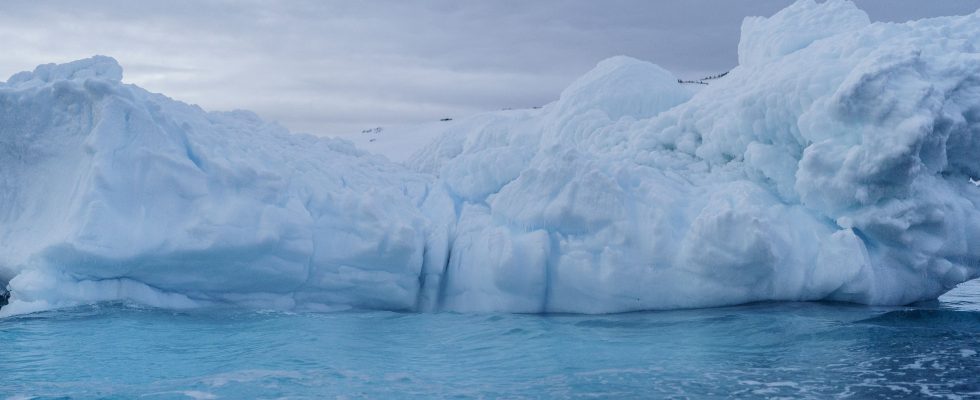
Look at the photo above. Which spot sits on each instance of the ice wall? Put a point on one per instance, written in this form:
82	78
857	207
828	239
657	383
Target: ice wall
109	192
834	163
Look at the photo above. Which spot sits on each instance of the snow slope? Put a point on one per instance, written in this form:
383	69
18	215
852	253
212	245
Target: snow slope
834	163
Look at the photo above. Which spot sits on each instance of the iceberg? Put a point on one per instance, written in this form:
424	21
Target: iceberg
110	192
837	162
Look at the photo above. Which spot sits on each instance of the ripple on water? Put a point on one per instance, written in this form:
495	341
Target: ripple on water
797	350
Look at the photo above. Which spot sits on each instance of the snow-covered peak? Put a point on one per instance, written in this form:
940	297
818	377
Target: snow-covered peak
795	27
100	67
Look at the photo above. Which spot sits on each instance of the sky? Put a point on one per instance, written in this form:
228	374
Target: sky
336	67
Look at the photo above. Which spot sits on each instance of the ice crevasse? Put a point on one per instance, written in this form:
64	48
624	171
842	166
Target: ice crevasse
835	162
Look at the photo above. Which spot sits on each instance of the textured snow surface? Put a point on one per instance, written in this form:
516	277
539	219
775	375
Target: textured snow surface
834	163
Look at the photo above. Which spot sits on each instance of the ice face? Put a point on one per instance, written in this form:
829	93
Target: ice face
796	27
111	192
834	163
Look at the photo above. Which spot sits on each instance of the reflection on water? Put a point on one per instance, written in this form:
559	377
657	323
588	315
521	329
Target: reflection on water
814	350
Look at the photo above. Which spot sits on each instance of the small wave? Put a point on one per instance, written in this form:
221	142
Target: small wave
938	318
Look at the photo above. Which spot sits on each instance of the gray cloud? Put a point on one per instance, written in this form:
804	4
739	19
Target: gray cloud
335	67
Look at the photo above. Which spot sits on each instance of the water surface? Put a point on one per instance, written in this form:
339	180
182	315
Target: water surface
815	350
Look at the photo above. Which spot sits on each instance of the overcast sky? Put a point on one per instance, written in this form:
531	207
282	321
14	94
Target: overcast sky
336	67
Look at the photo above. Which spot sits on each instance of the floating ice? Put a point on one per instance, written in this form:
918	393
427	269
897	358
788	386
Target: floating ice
834	163
110	192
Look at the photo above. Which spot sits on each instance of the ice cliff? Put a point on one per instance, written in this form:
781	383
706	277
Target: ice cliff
833	163
110	192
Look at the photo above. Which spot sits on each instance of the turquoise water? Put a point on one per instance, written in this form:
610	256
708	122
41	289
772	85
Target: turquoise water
814	350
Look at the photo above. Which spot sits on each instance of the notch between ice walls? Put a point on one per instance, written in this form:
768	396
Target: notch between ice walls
834	163
4	295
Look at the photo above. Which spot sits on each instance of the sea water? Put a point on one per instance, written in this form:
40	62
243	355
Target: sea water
797	350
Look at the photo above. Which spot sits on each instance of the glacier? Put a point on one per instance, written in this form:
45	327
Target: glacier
836	162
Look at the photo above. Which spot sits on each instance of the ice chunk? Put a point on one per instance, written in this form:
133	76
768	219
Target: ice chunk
836	162
110	192
100	67
831	164
795	27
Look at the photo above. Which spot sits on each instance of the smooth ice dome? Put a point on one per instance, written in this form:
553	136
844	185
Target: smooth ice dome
623	86
834	163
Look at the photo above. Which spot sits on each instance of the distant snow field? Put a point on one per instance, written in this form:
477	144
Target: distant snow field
837	161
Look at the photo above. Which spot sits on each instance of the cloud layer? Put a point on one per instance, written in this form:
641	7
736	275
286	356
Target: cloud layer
335	67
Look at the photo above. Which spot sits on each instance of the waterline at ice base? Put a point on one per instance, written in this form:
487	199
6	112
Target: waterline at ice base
836	162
